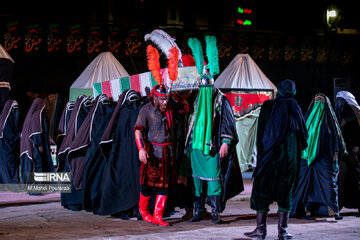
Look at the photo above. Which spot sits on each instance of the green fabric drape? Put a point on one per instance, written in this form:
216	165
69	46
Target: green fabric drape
213	188
313	125
204	167
203	121
246	129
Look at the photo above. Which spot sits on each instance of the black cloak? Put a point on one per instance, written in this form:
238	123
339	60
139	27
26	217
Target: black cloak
9	143
285	118
348	114
73	200
35	153
86	162
317	188
88	137
121	184
281	136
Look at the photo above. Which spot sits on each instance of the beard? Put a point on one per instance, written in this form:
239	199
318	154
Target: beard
162	107
161	104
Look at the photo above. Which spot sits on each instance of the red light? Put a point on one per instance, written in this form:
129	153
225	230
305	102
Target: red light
248	11
240	22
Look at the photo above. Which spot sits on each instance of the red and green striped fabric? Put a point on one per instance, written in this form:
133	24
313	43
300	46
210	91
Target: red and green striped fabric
187	79
114	88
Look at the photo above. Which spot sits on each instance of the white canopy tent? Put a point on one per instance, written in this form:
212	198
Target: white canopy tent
104	67
246	87
5	54
243	72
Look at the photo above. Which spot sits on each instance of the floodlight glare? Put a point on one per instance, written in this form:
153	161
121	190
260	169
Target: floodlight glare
331	13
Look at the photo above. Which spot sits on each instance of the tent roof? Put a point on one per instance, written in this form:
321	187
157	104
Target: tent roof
104	67
243	72
4	54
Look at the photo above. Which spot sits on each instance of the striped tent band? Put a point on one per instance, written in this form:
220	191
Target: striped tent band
187	79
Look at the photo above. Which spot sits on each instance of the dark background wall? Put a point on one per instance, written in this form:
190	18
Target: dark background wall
277	28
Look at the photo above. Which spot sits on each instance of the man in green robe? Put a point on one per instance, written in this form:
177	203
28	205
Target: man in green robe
211	142
281	136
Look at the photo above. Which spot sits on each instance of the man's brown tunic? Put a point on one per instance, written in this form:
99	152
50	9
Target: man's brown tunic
157	128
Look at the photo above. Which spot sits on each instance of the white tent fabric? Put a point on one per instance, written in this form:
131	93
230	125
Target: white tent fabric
4	54
243	72
104	67
246	148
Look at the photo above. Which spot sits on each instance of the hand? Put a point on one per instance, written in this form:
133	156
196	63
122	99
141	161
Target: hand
143	156
224	150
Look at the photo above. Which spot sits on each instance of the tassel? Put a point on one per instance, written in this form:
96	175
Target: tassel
197	52
173	63
153	62
212	55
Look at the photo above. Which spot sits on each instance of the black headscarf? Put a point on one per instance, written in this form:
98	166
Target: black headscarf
286	117
81	108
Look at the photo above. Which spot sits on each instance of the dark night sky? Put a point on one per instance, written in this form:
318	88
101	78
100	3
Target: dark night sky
269	15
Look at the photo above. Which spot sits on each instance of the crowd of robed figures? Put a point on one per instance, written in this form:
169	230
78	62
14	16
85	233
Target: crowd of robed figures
314	157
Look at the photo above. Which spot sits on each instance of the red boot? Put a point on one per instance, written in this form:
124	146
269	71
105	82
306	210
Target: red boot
159	210
144	208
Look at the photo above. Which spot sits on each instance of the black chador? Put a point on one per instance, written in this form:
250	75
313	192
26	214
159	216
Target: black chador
317	186
348	114
121	187
85	159
75	199
35	154
281	136
9	142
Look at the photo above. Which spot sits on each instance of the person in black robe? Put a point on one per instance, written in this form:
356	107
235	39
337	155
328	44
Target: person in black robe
9	143
85	159
74	200
64	122
281	136
348	114
35	153
317	189
181	194
120	188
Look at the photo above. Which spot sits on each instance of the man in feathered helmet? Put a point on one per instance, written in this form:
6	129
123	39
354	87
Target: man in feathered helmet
154	136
